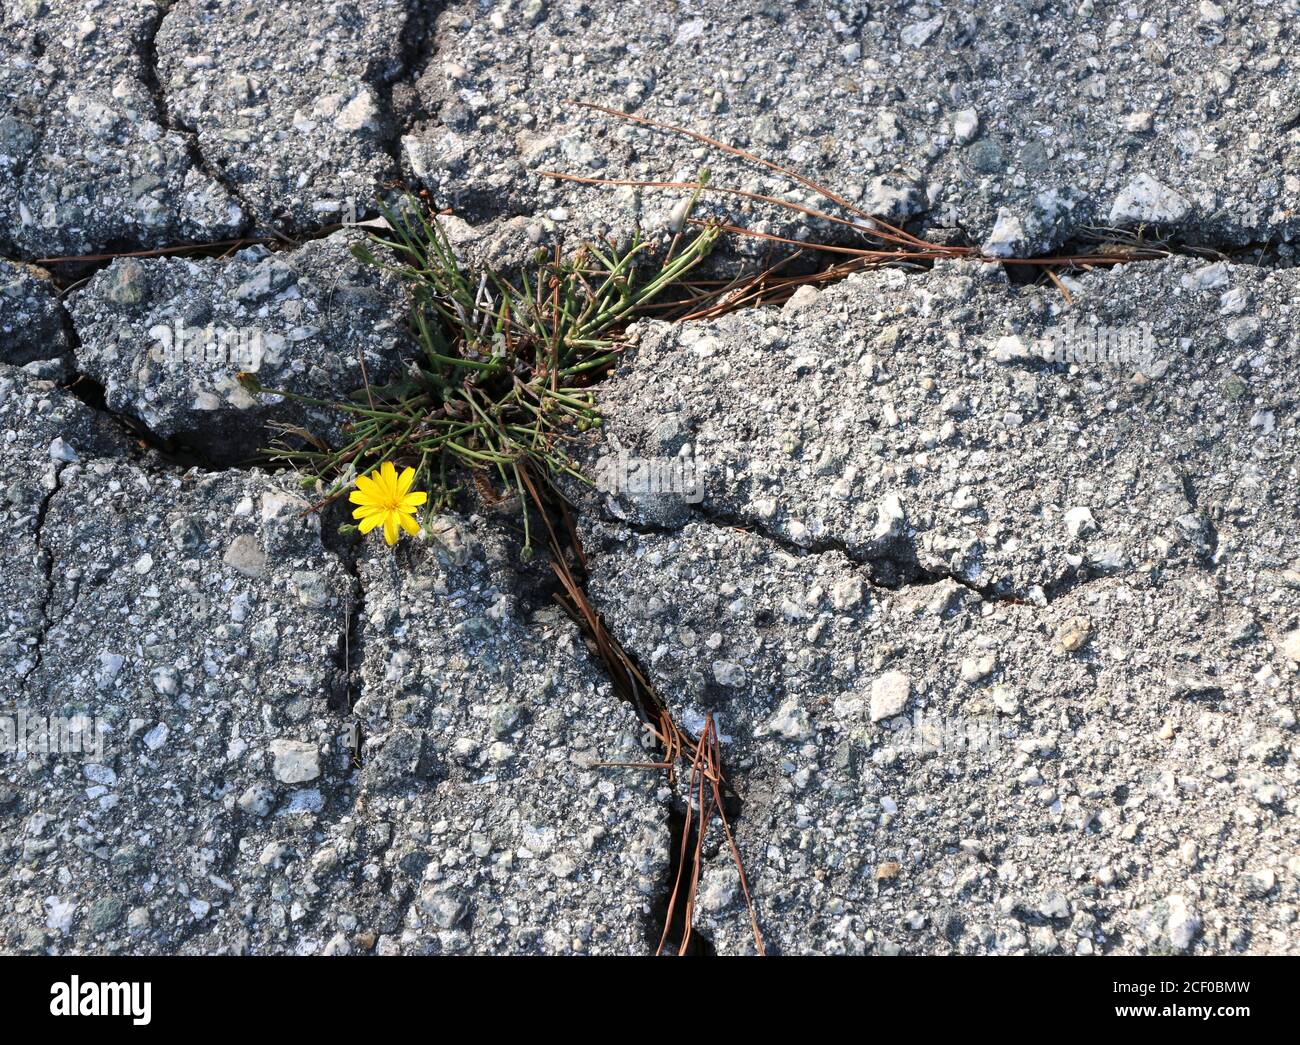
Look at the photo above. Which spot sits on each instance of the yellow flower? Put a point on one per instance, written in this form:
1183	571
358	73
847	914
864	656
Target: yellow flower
387	499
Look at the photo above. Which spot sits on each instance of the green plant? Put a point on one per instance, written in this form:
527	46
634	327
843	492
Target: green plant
503	385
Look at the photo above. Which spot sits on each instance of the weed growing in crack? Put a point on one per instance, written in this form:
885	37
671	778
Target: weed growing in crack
502	387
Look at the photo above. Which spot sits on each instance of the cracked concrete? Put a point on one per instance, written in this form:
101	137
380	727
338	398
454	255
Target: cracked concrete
31	316
1002	631
911	421
920	770
37	648
85	164
300	124
46	433
198	638
152	80
169	337
1010	128
861	527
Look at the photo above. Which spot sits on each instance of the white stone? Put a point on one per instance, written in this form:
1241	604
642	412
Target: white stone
976	669
1005	700
918	33
890	518
965	126
790	721
360	114
1010	348
1211	13
1079	520
728	673
801	298
295	761
889	695
1007	237
1146	200
61	451
1183	923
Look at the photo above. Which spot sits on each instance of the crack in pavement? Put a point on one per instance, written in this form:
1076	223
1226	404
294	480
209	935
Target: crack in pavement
896	566
153	84
91	393
886	571
419	46
47	568
349	653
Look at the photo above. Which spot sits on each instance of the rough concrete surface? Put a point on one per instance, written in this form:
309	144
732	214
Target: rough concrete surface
1016	125
991	583
169	337
88	159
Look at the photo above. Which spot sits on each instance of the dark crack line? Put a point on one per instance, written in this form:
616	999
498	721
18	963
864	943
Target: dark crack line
173	452
1267	254
71	272
627	687
148	53
351	652
887	571
680	850
47	568
418	49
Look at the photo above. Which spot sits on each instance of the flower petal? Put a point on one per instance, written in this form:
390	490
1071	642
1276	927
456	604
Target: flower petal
360	497
413	500
388	478
409	524
371	521
366	484
390	527
366	511
405	480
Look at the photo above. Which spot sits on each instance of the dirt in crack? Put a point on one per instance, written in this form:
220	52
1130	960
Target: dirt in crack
703	801
399	98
